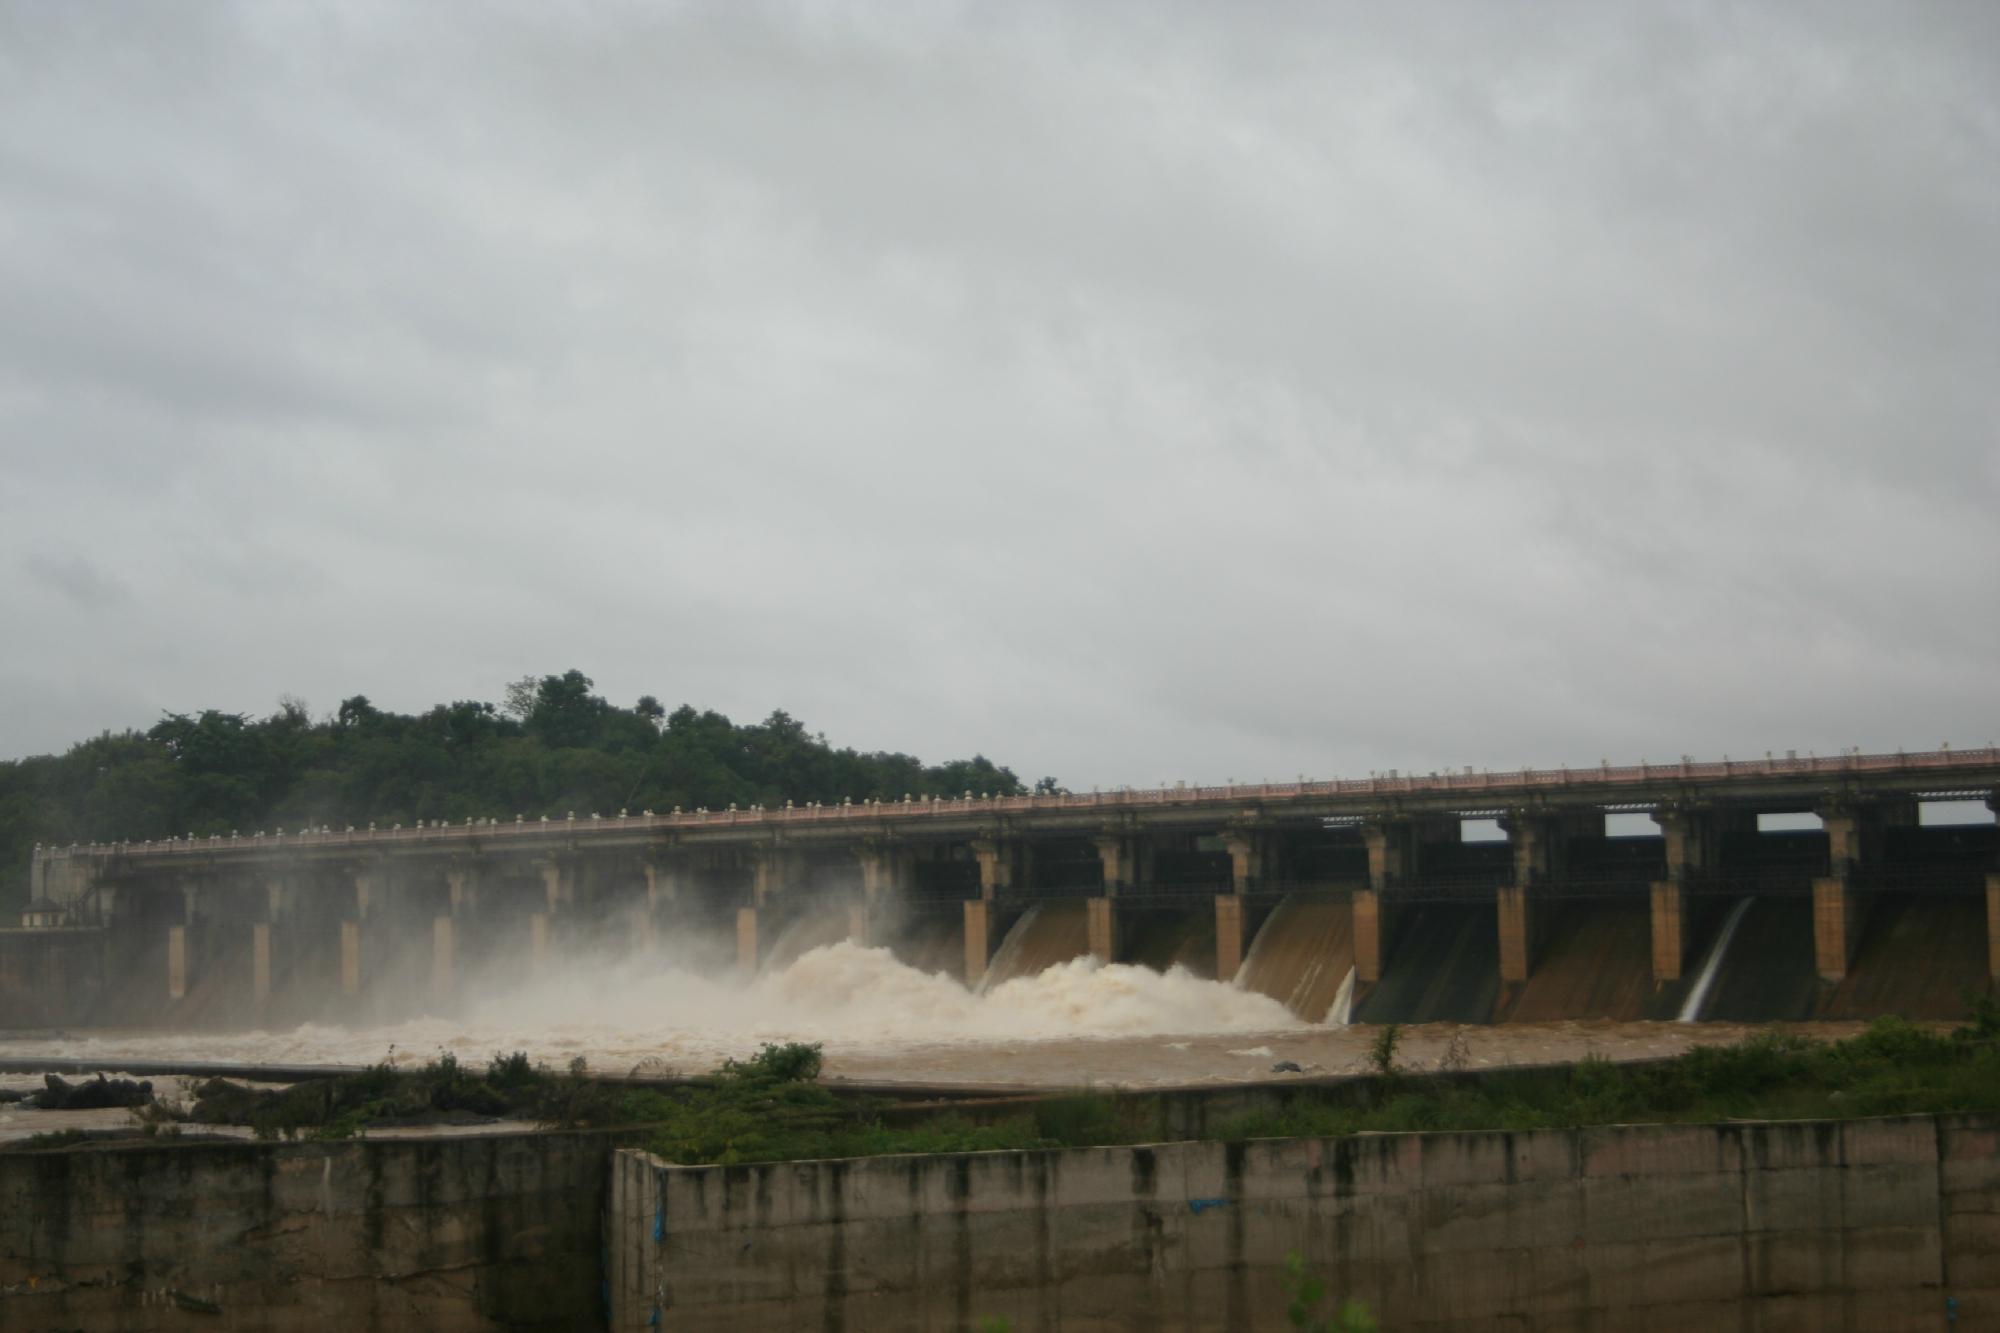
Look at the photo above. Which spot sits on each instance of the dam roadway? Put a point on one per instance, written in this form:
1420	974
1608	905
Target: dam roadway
1373	899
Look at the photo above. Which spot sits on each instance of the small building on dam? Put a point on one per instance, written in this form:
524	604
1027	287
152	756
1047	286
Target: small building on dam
1781	888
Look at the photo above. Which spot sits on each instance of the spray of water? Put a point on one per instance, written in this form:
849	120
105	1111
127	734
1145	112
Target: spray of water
1697	996
1342	1013
621	1014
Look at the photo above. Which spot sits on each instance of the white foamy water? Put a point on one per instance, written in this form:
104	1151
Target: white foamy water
857	1001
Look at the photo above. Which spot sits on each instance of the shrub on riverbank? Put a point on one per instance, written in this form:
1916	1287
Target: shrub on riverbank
770	1108
443	1092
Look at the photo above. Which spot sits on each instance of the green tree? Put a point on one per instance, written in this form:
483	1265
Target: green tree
553	746
565	713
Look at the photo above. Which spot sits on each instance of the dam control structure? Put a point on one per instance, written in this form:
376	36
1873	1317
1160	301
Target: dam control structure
1462	896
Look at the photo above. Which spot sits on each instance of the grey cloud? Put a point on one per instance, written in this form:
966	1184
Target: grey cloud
1128	391
76	579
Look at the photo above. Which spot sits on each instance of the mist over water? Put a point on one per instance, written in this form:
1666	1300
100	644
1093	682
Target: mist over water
626	1014
627	1009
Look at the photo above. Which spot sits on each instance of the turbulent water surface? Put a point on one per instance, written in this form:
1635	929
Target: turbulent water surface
1077	1022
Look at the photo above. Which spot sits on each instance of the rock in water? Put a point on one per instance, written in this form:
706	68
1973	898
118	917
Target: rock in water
60	1095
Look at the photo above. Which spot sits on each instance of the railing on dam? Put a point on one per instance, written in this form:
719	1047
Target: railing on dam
1926	770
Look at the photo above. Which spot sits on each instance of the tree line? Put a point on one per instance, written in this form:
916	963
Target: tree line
551	746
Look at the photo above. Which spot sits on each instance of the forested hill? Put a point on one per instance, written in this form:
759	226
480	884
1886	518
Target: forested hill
551	747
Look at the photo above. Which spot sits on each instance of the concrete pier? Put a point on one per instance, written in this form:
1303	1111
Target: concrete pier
746	941
979	944
444	957
1842	822
177	962
558	883
1536	842
1388	842
260	964
350	958
885	870
1115	859
461	889
1228	935
1003	864
1836	925
367	888
1993	925
1687	836
1515	914
1249	849
1669	927
1103	928
1370	936
774	871
663	882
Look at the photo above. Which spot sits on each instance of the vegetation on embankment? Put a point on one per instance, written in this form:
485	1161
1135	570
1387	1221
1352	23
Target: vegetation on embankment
757	1113
443	1092
1893	1068
552	747
772	1107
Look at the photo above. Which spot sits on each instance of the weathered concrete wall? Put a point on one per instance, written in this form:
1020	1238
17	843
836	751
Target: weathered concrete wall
1969	1208
1871	1224
463	1233
1864	1224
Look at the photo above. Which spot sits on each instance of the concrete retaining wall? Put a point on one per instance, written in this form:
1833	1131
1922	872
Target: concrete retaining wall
450	1234
1863	1224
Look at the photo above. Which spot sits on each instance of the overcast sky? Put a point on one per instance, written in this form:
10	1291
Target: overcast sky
1128	391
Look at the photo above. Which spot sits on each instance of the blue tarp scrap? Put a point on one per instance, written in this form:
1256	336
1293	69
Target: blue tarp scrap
1200	1206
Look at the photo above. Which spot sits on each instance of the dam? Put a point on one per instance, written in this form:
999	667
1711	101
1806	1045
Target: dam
1784	888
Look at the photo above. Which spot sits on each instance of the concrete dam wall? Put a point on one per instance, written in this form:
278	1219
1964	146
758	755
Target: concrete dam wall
1341	955
1865	1224
1775	889
439	1233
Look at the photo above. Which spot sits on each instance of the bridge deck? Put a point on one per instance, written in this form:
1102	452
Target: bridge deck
1762	782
